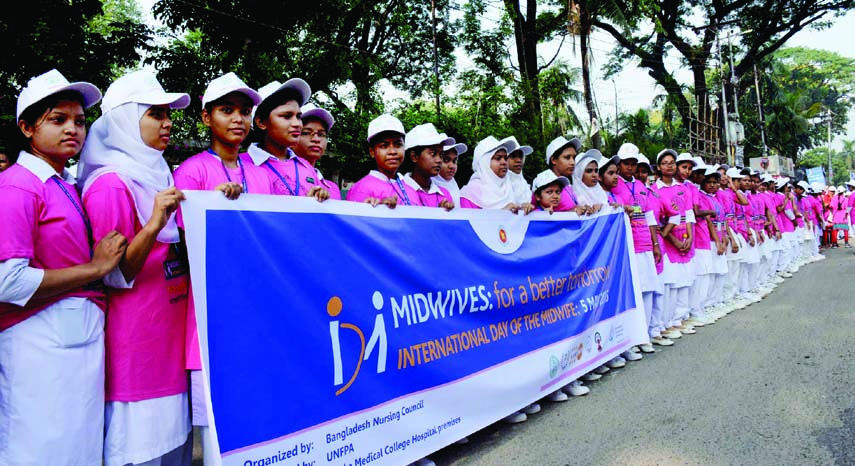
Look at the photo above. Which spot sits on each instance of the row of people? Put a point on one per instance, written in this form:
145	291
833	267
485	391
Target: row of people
112	240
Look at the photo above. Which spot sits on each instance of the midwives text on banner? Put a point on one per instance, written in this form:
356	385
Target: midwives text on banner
342	333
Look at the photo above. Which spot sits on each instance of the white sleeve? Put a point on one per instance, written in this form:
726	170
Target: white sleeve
675	219
116	279
18	281
690	216
789	213
651	220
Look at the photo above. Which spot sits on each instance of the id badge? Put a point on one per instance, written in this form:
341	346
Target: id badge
173	268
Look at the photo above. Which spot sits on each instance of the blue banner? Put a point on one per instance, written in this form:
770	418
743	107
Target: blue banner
331	321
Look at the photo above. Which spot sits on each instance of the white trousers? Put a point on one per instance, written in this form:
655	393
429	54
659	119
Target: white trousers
52	387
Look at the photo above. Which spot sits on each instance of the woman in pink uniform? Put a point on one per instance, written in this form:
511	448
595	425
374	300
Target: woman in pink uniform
676	223
51	299
227	107
561	159
489	186
383	185
278	130
423	155
127	186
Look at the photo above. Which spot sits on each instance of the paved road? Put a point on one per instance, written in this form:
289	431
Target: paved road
773	384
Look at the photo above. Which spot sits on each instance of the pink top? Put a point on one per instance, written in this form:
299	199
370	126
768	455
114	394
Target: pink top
379	186
726	198
783	221
430	198
298	176
656	207
45	225
838	208
702	232
467	204
676	202
568	200
816	207
145	328
758	219
771	202
634	193
744	213
851	204
204	172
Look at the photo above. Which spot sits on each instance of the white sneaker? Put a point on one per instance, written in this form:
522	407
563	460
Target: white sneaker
602	369
697	322
635	349
516	418
557	396
591	377
662	341
616	363
631	356
672	334
786	274
647	348
688	331
575	388
533	408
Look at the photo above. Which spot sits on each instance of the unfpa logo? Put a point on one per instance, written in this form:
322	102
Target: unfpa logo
503	235
377	342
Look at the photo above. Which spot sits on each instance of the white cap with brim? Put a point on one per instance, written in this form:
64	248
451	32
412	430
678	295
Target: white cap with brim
628	151
665	152
514	145
803	184
817	186
604	161
643	160
487	145
426	135
50	83
699	163
296	84
686	157
141	87
385	123
460	148
734	173
850	183
559	144
226	84
311	111
710	170
548	177
766	178
781	182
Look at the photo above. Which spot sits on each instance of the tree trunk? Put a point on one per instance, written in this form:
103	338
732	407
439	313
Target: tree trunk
584	34
526	39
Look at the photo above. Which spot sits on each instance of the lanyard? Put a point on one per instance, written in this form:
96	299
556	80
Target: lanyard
282	178
79	211
403	191
612	197
226	171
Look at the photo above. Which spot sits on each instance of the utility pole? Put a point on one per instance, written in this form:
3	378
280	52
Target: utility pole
435	62
830	170
760	113
723	100
733	79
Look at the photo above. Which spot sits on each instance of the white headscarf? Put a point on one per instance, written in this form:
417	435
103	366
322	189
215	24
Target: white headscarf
114	145
451	186
520	187
586	195
485	189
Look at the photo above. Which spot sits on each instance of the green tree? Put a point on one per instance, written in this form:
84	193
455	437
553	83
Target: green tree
819	158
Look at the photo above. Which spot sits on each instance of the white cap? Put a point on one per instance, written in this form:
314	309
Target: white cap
710	170
841	190
486	146
460	148
817	186
686	157
426	135
51	83
226	84
766	178
301	87
803	184
781	182
850	183
514	145
629	151
643	160
559	144
141	87
699	163
733	172
665	152
311	111
606	160
547	177
385	123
